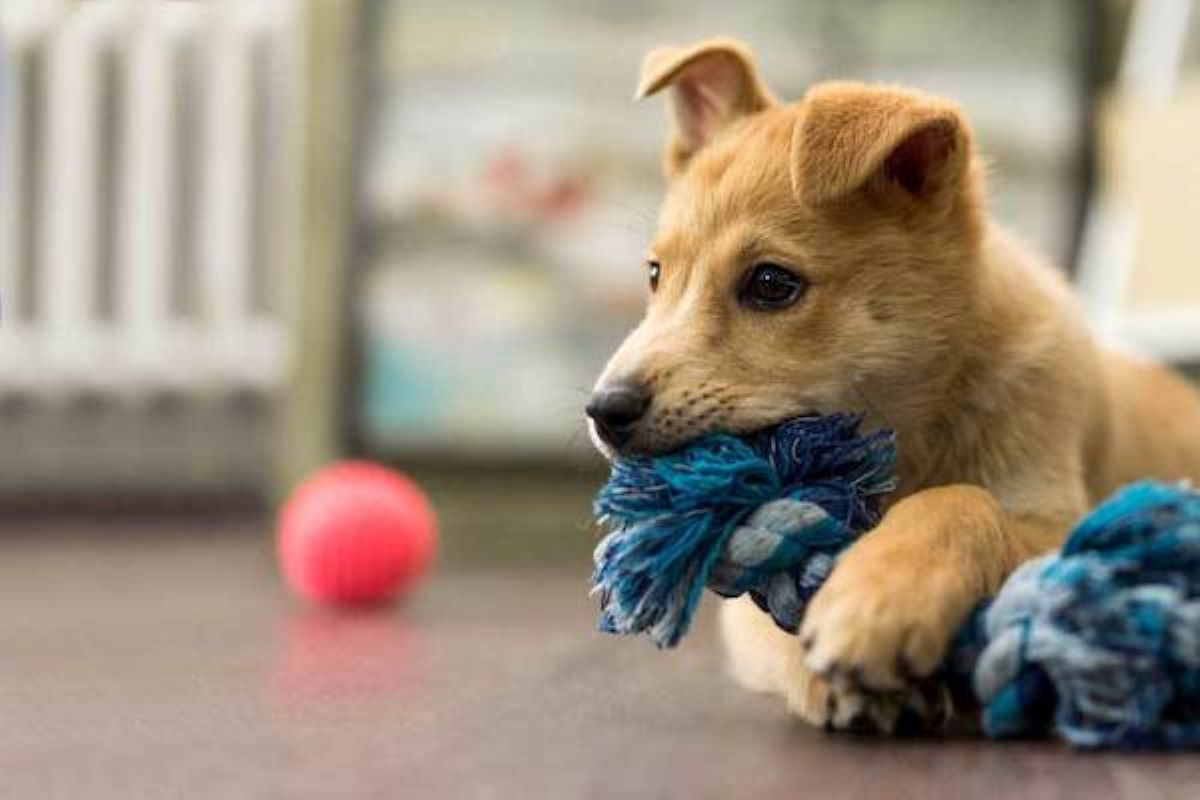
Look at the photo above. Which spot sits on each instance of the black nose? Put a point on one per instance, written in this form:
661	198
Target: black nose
616	407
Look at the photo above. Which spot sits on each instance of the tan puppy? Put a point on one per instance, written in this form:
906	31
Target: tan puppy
834	254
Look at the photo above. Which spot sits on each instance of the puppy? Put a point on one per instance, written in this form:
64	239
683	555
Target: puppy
834	254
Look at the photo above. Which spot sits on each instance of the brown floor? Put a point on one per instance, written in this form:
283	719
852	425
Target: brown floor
163	660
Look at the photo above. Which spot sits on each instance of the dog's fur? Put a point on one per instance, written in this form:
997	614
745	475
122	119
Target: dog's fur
1011	422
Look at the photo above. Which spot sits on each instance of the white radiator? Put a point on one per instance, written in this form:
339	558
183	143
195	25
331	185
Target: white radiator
148	155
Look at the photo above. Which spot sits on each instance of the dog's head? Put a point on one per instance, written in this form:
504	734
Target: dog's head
809	257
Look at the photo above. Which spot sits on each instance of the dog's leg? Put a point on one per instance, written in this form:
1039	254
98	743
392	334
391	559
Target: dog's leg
764	658
759	652
887	613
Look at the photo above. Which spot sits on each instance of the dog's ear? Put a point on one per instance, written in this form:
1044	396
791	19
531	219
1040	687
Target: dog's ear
713	83
851	137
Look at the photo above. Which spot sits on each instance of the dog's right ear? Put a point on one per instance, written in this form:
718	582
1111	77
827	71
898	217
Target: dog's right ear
849	134
712	83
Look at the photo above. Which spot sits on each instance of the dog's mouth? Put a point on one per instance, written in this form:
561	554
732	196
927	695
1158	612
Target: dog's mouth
654	444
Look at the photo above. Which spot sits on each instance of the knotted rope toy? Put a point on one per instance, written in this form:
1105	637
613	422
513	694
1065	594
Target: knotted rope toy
1099	642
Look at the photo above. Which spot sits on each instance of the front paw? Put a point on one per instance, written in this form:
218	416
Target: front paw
877	626
842	707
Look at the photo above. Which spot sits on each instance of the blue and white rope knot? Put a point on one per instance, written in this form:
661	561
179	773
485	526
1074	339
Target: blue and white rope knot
765	515
1100	642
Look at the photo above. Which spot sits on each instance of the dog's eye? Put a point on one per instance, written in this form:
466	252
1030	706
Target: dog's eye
654	268
770	286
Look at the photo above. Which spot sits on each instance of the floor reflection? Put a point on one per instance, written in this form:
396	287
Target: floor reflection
345	657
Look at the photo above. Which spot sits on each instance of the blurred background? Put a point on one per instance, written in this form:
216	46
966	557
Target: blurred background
240	239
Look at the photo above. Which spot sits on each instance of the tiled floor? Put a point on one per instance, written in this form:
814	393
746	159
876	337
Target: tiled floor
163	659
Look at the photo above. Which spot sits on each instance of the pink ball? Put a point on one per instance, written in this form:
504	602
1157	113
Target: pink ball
356	533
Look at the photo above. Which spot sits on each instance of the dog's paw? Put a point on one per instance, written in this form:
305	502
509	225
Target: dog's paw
842	707
875	626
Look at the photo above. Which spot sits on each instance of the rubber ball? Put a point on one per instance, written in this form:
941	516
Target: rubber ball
356	533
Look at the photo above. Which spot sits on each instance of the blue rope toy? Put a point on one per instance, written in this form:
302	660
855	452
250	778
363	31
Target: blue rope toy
1099	642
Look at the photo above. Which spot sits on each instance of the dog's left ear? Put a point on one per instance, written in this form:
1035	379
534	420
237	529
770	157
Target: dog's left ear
852	137
713	83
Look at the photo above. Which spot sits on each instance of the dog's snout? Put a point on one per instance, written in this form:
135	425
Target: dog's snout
616	407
